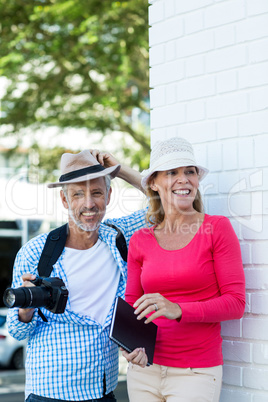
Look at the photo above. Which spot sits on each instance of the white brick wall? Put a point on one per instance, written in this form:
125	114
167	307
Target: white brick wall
209	80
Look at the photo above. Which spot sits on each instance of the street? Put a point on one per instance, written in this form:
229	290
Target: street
12	387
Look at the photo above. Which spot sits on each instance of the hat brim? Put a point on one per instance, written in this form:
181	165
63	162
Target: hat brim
112	171
146	174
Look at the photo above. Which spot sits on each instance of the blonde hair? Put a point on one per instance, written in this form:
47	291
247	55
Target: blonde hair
155	214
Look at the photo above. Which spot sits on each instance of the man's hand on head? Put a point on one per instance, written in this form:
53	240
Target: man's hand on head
104	158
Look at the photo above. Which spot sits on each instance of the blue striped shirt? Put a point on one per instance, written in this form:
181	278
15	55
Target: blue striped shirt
68	356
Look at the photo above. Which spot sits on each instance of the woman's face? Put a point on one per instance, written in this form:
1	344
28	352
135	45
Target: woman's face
177	189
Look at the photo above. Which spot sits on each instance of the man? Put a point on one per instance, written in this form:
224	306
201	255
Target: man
70	357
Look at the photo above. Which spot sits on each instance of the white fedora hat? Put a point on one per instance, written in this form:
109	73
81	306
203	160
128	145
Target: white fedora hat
171	154
81	167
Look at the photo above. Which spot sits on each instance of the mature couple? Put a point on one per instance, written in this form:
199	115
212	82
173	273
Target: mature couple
186	281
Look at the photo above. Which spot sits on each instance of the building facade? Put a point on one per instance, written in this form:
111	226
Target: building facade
209	84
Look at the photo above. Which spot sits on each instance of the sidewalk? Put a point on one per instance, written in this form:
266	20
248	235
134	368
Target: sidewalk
8	377
12	381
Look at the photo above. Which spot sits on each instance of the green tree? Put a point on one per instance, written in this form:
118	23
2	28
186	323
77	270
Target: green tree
76	63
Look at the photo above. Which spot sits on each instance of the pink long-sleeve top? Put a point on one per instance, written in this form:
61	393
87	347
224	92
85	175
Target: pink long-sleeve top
205	278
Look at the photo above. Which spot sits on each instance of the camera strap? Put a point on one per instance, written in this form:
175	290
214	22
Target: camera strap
53	247
121	243
55	243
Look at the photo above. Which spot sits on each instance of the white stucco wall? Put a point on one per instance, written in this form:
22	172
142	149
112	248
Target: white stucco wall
209	80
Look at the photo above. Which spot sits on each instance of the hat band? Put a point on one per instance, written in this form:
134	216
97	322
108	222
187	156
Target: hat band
81	172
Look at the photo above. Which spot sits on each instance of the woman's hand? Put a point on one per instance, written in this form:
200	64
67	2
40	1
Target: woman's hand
159	304
138	356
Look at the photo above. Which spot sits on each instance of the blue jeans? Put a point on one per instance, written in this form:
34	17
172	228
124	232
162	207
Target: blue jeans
36	398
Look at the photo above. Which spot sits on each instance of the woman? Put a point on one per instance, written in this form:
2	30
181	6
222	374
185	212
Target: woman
185	273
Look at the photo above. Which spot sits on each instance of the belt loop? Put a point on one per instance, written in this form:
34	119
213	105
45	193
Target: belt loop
163	371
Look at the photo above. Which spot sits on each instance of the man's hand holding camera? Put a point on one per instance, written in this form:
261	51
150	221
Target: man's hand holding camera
26	314
48	292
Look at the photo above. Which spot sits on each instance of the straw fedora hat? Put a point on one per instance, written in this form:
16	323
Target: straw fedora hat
81	167
171	154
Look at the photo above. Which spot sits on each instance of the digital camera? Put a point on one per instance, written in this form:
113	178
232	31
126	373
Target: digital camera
50	293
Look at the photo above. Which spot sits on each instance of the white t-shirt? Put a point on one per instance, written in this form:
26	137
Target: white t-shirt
93	277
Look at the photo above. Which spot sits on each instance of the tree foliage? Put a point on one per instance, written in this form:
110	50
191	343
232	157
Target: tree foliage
76	63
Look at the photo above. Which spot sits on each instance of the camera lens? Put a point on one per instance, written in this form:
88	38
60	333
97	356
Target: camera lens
26	297
9	298
20	297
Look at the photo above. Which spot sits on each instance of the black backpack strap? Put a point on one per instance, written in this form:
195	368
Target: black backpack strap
53	247
121	243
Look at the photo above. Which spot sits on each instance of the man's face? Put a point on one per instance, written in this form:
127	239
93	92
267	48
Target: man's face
86	203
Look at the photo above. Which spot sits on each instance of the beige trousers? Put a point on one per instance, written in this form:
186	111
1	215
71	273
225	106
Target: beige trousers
173	384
